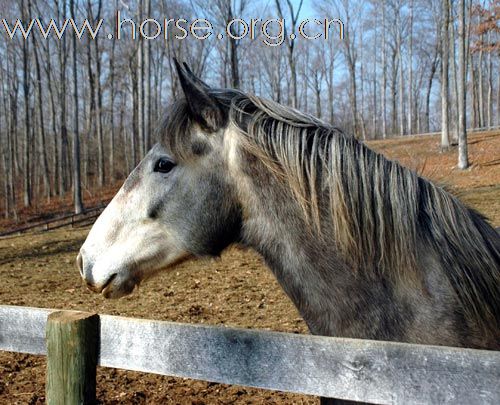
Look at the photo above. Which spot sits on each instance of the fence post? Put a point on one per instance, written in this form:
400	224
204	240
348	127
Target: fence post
72	350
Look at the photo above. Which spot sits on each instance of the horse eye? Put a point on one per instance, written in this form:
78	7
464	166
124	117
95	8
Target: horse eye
164	165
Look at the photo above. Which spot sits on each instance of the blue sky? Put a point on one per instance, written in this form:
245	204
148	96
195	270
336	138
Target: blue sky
307	7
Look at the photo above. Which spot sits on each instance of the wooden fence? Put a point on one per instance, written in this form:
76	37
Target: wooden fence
360	370
85	218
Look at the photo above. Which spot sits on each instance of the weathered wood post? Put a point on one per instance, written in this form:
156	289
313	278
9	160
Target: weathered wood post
72	350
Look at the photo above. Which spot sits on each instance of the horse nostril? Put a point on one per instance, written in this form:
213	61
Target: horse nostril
100	288
79	263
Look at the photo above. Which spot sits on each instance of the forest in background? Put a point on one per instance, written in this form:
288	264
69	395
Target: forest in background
77	115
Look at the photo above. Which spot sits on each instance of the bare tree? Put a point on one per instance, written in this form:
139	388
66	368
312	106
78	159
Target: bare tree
63	131
374	82
362	89
328	55
433	64
410	71
384	71
315	73
445	136
99	124
399	47
147	88
77	190
41	127
140	86
489	102
454	81
463	159
112	132
290	43
9	201
27	115
349	13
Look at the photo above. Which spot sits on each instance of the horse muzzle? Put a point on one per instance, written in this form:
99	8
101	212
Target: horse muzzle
109	284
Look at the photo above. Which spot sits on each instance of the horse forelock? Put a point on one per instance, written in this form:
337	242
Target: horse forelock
174	131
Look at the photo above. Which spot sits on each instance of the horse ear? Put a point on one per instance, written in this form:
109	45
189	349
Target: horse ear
205	109
195	78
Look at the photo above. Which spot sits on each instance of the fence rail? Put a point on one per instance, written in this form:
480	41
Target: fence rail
360	370
88	216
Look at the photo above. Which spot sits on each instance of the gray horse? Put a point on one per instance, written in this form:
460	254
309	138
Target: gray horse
364	247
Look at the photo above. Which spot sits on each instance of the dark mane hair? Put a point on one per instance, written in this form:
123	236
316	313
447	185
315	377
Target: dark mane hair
383	216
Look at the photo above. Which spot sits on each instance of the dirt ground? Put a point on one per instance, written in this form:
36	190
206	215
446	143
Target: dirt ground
38	270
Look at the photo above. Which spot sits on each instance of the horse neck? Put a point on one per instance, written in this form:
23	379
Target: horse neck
325	291
335	300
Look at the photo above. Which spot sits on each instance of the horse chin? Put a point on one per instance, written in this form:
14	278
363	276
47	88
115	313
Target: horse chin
125	282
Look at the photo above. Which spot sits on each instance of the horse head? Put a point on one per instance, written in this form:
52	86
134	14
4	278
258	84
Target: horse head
176	204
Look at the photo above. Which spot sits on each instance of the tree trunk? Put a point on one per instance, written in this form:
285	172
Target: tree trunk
14	110
473	80
91	112
112	109
100	135
454	83
291	47
6	144
463	159
233	49
384	73
410	74
135	120
362	101
498	103
394	72
27	116
330	92
140	89
147	100
375	106
317	90
12	130
53	111
480	86
5	164
41	129
489	102
445	137
63	147
428	93
353	97
77	190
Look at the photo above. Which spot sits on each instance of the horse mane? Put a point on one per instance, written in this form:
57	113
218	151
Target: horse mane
383	216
